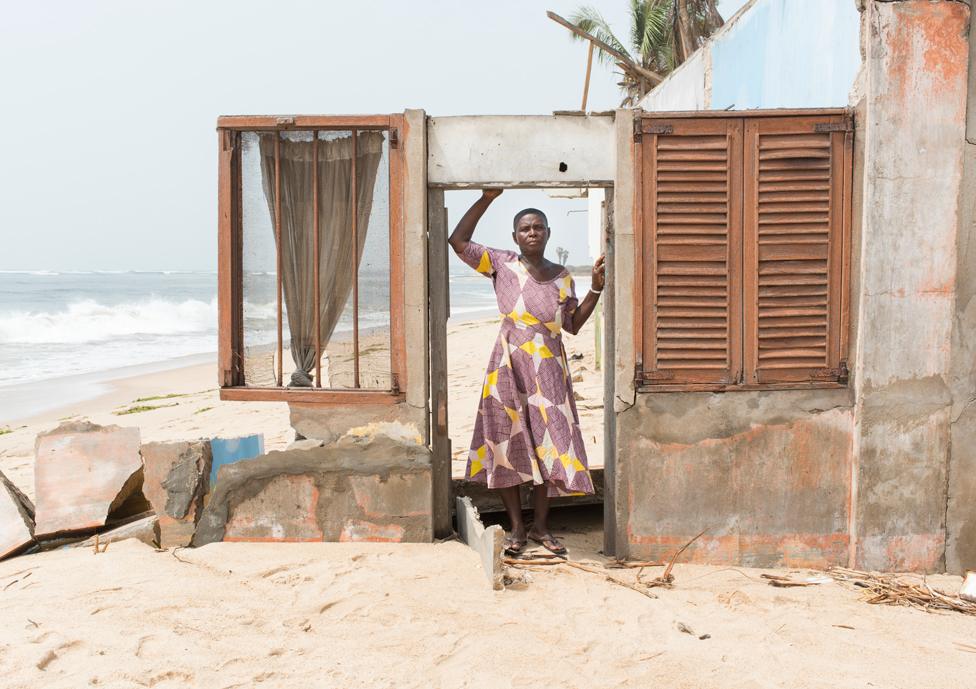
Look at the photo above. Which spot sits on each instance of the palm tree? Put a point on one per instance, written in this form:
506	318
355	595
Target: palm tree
663	34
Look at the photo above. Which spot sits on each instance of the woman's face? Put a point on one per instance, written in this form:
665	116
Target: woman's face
531	234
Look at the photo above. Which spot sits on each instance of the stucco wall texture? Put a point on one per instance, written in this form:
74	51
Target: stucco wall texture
861	476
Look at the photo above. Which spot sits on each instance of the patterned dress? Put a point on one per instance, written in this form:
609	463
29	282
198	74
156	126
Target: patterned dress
527	427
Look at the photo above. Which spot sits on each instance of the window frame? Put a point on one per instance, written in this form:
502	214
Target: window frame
840	120
230	259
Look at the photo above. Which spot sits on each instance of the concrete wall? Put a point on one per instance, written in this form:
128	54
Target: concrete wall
768	474
409	419
916	74
520	151
961	515
771	54
683	89
856	476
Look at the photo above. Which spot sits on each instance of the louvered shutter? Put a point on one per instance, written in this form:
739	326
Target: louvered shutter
691	210
796	210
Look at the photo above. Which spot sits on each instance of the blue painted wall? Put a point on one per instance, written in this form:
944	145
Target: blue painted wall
787	54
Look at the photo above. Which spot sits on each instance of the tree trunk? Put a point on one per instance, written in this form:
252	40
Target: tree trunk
714	19
686	32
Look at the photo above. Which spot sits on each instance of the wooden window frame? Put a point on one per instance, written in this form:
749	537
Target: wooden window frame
230	272
838	120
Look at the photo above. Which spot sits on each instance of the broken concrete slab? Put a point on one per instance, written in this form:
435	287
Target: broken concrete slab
230	450
16	519
145	529
487	542
177	479
305	444
373	489
83	475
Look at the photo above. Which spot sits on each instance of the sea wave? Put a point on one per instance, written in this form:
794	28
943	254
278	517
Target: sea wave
90	321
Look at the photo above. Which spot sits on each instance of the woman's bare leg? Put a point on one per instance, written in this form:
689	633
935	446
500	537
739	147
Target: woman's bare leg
513	506
540	508
540	521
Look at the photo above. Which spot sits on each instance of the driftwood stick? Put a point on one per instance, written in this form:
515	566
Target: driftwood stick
667	570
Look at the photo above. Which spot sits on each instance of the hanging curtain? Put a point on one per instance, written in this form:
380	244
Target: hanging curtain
335	231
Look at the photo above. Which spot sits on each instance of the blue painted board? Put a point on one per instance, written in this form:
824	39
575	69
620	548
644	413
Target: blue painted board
230	450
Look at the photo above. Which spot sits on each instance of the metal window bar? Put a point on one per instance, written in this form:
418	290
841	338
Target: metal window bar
316	257
277	213
355	261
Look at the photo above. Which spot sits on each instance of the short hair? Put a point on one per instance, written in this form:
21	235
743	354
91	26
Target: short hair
529	211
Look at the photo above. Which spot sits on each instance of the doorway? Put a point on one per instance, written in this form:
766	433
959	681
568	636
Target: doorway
579	222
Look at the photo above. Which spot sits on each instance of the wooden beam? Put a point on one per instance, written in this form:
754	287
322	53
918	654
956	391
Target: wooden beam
629	64
311	396
586	82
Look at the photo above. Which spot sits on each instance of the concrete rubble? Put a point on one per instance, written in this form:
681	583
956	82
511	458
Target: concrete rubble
145	529
85	475
16	519
177	478
487	542
357	489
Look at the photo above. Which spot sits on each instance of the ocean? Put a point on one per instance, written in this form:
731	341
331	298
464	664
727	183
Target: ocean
58	324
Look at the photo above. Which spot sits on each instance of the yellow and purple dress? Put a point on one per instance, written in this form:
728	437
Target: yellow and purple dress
527	429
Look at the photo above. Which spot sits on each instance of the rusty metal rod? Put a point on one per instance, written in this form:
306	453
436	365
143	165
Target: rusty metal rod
355	261
277	162
316	257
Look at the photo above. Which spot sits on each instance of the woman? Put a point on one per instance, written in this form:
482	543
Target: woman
527	428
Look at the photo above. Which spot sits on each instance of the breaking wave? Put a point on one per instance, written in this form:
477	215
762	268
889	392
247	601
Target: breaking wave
90	321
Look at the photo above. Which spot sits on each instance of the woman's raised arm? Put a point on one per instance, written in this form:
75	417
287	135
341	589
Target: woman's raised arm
465	228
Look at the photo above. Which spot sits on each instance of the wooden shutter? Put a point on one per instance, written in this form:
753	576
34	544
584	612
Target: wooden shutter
796	214
691	271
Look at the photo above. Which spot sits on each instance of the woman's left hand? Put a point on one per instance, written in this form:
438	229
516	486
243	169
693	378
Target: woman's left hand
599	274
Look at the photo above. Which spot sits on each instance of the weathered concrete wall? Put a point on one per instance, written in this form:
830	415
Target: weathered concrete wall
524	150
961	512
358	489
684	88
857	475
916	63
619	294
330	423
771	54
768	474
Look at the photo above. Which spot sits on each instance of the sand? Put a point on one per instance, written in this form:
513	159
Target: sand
382	615
376	615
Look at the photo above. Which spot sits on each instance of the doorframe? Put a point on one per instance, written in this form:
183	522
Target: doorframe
438	303
438	285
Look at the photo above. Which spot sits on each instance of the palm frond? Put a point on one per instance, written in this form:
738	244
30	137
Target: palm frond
592	22
651	30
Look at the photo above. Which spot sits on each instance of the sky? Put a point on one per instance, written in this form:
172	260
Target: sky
109	107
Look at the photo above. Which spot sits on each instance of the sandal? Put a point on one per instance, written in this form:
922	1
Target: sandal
550	543
514	546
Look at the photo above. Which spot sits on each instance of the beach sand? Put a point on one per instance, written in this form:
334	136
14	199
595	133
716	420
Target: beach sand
422	615
401	616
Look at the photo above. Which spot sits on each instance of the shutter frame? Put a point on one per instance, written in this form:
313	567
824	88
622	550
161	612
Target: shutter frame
796	249
684	241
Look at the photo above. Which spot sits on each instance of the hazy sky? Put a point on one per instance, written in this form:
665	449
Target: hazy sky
109	108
